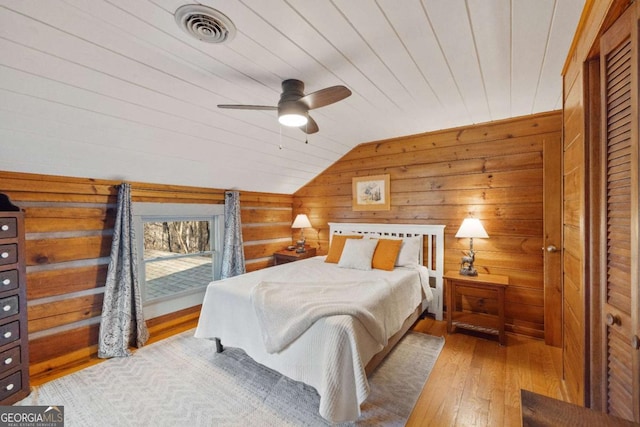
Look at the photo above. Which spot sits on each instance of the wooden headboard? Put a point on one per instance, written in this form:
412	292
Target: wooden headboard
433	259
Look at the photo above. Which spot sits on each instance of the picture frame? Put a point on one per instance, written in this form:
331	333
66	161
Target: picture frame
371	193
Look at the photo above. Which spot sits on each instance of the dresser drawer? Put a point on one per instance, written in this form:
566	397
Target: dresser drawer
10	385
8	280
9	359
8	254
9	306
9	332
8	228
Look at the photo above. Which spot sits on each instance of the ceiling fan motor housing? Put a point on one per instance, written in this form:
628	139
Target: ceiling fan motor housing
290	104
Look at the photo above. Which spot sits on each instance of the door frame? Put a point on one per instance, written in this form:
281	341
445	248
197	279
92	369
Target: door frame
596	240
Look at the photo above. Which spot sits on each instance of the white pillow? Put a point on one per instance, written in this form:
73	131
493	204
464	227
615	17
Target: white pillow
358	253
409	252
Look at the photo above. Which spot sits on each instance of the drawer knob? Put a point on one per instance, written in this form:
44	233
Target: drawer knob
6	307
6	282
8	360
5	255
5	227
7	334
9	387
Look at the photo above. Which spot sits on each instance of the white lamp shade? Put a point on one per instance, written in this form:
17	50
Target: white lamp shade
472	227
301	221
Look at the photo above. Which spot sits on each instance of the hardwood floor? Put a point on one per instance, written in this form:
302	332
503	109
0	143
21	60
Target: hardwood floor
475	382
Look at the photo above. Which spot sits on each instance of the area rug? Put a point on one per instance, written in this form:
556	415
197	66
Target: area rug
182	381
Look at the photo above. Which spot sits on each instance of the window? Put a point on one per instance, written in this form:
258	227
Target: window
179	253
177	257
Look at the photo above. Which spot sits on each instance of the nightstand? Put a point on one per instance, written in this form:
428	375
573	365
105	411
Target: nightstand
476	303
284	256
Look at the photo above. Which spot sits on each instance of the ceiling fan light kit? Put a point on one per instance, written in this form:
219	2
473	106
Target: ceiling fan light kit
292	113
293	120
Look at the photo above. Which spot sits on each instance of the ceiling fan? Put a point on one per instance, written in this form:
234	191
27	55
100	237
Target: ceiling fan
293	107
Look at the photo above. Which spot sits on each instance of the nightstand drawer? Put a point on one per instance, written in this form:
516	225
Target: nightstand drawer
475	291
8	254
10	385
9	359
8	280
8	228
477	299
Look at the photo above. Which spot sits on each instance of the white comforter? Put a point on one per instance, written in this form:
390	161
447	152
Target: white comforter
332	353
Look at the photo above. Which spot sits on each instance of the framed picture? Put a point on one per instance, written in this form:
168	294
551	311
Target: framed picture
371	193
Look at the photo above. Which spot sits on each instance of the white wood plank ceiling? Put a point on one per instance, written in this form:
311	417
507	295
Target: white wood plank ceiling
115	89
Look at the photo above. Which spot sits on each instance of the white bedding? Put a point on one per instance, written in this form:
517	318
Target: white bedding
332	353
285	310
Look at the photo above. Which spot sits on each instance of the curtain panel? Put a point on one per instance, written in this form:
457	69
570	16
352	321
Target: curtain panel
122	322
232	250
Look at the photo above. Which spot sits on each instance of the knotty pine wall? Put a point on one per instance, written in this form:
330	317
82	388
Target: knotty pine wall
490	171
69	226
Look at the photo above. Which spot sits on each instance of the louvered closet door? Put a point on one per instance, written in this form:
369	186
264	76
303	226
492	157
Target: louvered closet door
620	310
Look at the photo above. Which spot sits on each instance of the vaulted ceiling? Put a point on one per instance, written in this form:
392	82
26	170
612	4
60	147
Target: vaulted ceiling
114	89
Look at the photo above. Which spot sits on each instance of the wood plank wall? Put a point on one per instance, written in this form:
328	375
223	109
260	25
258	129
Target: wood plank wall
490	171
69	224
579	319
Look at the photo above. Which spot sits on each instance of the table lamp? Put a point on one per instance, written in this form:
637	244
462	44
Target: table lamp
471	227
301	222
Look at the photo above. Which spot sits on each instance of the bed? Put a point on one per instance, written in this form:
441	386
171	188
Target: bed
335	352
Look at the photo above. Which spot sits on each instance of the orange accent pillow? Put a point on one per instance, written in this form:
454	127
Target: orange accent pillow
384	258
337	245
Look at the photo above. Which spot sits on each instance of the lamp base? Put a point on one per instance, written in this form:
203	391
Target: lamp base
466	265
468	271
300	247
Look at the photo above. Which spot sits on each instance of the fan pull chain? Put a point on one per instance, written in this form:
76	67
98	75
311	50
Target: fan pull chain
306	133
280	147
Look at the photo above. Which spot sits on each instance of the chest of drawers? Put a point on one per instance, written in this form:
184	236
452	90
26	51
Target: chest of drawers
14	341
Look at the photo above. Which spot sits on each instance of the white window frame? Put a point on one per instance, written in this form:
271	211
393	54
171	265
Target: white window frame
168	212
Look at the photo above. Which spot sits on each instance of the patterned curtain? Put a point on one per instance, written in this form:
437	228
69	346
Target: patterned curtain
232	250
122	321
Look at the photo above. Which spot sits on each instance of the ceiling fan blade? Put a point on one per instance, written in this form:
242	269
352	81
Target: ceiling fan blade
310	127
247	107
325	96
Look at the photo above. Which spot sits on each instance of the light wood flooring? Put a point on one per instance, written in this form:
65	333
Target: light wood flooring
475	382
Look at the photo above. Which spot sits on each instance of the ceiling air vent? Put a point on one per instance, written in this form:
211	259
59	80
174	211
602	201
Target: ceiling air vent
205	23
